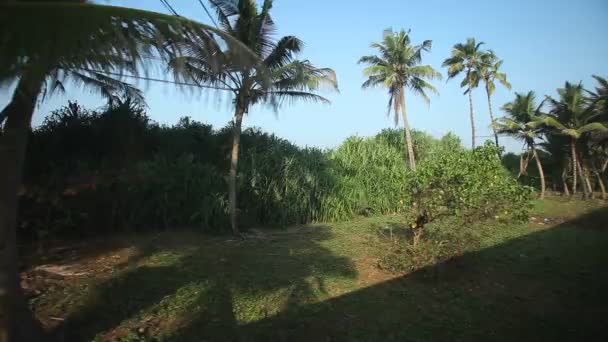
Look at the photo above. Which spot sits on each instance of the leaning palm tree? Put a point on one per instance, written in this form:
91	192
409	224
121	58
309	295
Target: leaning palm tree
43	45
397	67
489	72
466	58
571	117
285	78
520	112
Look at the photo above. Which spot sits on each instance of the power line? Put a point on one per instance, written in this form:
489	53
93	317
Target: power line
208	13
169	7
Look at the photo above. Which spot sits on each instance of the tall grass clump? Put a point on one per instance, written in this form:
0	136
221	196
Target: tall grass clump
281	183
370	176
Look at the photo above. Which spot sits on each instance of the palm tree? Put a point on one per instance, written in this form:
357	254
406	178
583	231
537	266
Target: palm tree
39	52
571	117
289	79
397	67
520	112
599	98
489	71
466	58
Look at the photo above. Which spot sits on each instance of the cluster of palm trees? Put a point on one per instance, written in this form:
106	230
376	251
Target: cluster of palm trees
397	68
571	129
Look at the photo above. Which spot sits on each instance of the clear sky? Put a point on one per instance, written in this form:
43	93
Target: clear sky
543	43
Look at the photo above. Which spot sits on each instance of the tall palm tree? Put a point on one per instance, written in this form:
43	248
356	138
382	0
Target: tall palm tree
520	113
489	72
285	78
571	117
42	46
466	58
397	67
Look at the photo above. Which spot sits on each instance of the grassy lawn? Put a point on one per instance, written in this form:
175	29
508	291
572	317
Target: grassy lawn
545	280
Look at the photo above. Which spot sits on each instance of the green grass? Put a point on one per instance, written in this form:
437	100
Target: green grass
527	282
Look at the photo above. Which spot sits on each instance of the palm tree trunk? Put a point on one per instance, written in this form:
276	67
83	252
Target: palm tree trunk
564	182
600	181
581	176
17	323
585	175
491	114
574	164
408	136
524	160
540	172
234	161
472	117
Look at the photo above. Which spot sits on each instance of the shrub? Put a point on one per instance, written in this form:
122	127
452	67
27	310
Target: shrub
470	184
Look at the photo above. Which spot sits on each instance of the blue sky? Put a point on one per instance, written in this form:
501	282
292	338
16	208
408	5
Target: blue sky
543	44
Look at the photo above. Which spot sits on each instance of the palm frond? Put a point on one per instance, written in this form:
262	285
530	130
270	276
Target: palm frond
284	52
225	10
108	38
396	66
593	127
108	87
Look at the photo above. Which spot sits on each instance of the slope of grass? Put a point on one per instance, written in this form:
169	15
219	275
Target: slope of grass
529	282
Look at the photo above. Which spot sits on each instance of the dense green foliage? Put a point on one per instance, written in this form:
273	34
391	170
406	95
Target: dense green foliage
89	172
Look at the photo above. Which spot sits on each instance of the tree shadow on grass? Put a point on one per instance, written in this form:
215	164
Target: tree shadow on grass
546	286
192	287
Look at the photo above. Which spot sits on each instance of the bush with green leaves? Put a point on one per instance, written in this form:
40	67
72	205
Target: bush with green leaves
470	184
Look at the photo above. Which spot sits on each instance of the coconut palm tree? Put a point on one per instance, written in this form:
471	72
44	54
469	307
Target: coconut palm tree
285	79
397	68
599	98
43	45
489	72
570	116
466	58
520	112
